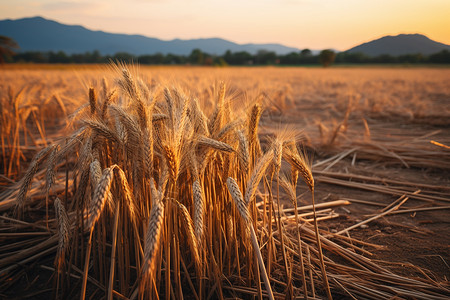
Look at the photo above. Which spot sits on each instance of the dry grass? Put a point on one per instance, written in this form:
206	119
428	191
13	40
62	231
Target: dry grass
169	163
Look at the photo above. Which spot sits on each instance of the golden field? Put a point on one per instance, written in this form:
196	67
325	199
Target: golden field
239	182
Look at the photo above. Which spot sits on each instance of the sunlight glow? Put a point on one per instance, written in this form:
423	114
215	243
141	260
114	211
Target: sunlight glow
298	23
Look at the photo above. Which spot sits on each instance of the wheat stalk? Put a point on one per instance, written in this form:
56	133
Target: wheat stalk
289	186
95	208
236	194
301	164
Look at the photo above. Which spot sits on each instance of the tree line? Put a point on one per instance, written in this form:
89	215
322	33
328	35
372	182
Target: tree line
198	57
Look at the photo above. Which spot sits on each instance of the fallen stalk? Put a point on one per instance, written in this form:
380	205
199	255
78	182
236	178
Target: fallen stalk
373	218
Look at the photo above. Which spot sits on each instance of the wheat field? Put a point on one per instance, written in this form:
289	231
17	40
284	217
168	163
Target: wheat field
126	182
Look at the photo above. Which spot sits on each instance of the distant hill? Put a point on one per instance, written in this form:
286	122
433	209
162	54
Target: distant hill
399	45
39	34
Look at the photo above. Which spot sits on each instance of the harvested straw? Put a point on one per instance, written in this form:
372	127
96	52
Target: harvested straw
167	157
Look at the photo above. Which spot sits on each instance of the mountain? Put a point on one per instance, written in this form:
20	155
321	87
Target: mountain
39	34
399	45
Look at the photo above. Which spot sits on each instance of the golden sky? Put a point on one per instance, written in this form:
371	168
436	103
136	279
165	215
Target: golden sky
313	24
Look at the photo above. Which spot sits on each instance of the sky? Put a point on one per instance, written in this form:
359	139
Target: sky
313	24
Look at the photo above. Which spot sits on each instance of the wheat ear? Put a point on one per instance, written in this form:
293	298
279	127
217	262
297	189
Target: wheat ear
256	176
199	210
26	181
92	100
104	131
192	240
95	171
172	161
63	232
153	234
215	144
106	102
100	196
243	154
129	198
255	115
299	162
51	166
277	155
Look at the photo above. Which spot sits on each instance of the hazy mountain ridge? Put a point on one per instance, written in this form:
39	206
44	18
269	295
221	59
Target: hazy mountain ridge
400	45
39	34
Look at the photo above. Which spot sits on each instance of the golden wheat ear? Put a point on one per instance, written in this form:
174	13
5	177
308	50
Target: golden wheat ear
258	172
63	227
153	237
92	100
127	193
299	161
100	197
199	210
214	144
243	153
28	177
192	240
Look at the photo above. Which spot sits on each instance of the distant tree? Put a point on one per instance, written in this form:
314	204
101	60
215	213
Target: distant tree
171	59
208	61
148	59
264	57
238	58
196	57
228	57
220	62
442	57
292	58
326	57
385	59
305	52
352	58
31	56
58	57
411	58
124	57
93	57
7	46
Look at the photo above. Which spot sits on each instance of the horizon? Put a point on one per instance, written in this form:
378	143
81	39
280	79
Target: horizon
364	22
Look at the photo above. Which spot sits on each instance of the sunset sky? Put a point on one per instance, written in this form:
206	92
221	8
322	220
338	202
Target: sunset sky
314	24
